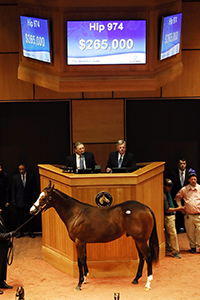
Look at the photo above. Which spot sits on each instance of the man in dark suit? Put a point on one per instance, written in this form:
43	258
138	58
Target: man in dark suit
23	196
121	158
179	177
4	241
80	159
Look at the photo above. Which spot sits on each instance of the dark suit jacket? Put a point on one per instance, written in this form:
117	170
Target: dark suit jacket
23	197
174	176
128	161
89	160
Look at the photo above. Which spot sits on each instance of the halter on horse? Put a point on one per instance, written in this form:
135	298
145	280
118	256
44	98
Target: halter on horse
130	217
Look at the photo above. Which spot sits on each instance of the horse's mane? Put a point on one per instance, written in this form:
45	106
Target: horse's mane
67	196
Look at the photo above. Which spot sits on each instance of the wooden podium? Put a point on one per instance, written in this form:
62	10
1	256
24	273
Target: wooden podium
117	258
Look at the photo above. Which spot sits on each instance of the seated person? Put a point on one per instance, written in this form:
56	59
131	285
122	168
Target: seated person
121	158
80	159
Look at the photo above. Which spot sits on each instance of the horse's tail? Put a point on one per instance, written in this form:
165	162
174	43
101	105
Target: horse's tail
153	242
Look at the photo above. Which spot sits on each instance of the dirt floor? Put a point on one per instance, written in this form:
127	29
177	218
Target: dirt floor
174	279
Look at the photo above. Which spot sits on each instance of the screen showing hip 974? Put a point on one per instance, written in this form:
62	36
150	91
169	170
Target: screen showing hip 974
106	42
35	38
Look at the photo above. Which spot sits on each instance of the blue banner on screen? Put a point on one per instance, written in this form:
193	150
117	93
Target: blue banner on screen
171	36
35	38
106	42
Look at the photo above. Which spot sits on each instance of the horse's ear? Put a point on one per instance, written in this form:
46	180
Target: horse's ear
50	188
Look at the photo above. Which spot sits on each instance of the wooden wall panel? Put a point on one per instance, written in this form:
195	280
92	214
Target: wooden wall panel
97	121
9	29
94	95
42	93
156	93
11	88
191	25
187	85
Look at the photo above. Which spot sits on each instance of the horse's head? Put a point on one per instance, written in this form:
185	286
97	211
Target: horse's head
43	201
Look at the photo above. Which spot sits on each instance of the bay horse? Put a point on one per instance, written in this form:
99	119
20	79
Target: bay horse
90	224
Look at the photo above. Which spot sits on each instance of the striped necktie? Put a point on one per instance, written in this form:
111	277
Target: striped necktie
120	162
81	162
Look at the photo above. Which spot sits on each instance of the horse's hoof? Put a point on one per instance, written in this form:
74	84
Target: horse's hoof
135	281
77	289
146	288
85	280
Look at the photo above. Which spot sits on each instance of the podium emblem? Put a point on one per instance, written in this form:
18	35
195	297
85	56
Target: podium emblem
103	199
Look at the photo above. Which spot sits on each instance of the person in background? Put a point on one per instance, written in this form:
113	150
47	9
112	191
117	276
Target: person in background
4	193
191	196
169	220
80	159
121	158
4	245
179	177
23	196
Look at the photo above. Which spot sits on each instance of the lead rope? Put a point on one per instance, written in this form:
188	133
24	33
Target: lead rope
10	250
25	222
10	243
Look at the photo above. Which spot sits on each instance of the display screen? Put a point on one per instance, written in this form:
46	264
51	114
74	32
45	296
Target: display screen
170	35
106	42
35	38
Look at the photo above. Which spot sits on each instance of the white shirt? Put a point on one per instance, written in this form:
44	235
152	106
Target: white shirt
191	196
78	161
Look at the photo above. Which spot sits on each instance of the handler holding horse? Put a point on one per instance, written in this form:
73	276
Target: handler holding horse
90	224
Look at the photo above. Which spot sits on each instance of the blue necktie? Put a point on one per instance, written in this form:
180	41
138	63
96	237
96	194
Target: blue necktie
120	162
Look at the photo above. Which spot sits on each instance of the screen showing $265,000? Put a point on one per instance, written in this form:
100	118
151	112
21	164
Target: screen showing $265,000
106	42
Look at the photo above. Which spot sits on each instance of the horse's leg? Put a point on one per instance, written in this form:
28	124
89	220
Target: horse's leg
80	247
81	278
86	271
145	253
149	272
140	267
